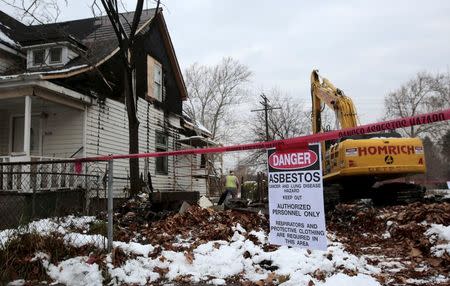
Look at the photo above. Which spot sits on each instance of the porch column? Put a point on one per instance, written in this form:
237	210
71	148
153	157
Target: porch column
27	126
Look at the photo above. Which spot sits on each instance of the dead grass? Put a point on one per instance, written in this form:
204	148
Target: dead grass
16	257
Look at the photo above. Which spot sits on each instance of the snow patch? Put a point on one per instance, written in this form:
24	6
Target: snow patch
260	235
134	247
345	280
47	226
135	271
79	240
75	272
439	233
239	228
6	39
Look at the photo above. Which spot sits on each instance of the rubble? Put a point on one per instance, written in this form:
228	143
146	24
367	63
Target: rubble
397	239
395	245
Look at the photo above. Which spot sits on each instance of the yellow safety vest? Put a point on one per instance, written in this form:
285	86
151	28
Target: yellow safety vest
231	182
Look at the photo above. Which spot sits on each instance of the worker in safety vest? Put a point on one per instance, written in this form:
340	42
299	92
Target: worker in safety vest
231	187
232	184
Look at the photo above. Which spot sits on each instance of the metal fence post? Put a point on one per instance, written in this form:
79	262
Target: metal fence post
110	205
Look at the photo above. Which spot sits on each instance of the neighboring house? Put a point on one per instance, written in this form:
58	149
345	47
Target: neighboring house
60	97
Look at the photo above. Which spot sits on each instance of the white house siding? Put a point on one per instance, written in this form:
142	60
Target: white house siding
61	127
4	132
107	133
62	131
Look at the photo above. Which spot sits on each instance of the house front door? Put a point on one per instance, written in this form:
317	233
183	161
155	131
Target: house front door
17	134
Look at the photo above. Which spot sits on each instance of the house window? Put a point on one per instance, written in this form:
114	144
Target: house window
38	57
157	85
48	56
162	166
55	55
203	161
155	80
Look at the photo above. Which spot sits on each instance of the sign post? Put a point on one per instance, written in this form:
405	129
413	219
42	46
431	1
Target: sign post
297	216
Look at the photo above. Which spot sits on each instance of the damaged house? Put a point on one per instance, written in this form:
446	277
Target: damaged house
54	104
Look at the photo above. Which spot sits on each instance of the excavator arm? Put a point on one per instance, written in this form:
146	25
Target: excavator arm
323	91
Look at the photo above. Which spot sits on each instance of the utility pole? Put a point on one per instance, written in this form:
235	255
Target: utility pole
266	108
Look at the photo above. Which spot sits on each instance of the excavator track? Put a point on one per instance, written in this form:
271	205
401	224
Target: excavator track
398	193
386	194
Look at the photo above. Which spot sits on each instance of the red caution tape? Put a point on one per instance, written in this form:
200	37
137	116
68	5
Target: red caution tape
297	141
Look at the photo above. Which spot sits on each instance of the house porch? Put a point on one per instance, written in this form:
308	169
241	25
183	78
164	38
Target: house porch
39	122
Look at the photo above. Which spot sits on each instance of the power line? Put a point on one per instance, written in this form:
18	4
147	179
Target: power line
267	107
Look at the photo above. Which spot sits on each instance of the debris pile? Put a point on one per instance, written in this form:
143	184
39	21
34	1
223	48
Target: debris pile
196	225
397	239
396	245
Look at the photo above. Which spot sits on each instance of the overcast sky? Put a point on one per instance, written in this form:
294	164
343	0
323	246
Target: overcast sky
367	48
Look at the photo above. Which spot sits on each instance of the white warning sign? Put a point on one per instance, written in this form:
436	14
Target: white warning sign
297	216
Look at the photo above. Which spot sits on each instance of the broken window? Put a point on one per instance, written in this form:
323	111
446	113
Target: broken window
55	55
157	74
38	57
162	166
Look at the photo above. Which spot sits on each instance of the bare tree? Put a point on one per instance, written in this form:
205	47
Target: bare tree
291	120
445	151
46	9
424	93
436	165
36	11
213	91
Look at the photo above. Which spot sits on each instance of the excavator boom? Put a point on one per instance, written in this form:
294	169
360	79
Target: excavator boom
357	163
323	91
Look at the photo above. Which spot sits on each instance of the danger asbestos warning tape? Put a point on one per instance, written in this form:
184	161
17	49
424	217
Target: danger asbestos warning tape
294	142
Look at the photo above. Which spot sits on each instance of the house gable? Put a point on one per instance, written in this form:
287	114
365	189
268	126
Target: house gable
154	44
153	40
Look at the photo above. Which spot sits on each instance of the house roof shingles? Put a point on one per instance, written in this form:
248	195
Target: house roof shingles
95	35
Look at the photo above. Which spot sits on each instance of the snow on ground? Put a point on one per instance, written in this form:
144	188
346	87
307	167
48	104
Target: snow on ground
75	271
218	260
245	255
440	235
211	262
50	225
443	193
345	280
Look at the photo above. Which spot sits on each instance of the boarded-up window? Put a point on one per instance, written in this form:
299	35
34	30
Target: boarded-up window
154	79
162	166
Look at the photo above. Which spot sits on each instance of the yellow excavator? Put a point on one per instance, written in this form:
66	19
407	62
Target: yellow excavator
356	166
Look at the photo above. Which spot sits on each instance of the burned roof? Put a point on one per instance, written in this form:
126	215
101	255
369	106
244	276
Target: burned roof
94	35
11	30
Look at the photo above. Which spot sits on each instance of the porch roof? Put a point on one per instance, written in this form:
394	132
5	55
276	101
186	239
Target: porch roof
19	86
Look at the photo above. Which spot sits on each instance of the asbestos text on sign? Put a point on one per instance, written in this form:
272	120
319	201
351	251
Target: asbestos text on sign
297	216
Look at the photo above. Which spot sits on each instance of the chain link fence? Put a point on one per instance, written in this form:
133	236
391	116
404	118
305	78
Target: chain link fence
54	197
67	198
